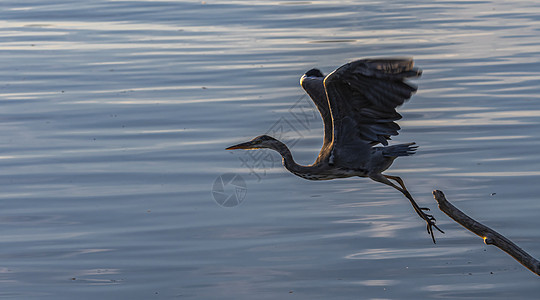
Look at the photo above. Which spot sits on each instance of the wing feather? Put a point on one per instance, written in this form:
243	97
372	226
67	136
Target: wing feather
366	93
314	87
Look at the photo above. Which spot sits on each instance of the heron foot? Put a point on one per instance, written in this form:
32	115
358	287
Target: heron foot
430	220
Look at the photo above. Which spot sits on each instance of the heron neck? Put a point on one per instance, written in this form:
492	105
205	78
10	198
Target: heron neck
288	160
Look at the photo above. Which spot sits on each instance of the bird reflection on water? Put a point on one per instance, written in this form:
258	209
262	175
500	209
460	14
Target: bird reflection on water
357	103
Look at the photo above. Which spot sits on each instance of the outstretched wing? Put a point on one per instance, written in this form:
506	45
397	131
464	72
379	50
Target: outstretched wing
363	96
312	83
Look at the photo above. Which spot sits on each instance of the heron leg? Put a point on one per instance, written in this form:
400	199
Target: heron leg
397	179
402	184
430	220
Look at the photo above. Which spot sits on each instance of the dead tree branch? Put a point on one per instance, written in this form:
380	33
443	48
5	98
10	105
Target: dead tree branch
490	236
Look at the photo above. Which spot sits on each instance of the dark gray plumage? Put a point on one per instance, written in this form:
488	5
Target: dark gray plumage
357	103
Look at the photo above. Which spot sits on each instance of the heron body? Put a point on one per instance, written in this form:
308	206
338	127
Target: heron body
357	103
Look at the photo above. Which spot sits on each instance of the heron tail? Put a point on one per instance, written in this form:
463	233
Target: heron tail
400	150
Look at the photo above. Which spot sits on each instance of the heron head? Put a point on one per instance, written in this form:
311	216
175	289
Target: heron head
262	141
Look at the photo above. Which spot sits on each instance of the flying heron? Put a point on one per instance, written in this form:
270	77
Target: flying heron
357	103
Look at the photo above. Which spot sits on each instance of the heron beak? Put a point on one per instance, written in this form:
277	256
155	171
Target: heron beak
246	145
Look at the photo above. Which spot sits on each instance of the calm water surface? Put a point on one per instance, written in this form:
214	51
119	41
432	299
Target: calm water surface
115	116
